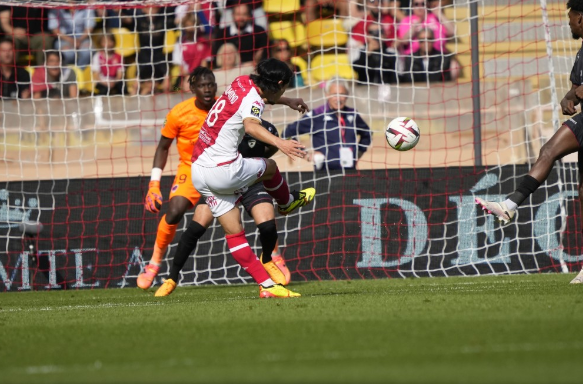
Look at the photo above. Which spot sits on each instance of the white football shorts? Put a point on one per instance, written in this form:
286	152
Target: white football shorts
222	187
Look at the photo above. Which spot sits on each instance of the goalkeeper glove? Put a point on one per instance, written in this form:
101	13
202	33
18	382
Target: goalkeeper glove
154	197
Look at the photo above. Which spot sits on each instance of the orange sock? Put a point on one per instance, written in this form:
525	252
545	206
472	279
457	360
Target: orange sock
164	237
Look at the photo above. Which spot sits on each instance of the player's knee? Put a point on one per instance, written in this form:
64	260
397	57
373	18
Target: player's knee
270	168
174	215
268	229
548	153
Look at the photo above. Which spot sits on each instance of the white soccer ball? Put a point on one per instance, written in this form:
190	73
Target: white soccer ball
402	133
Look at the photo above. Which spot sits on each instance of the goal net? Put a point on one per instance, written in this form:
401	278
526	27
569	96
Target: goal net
78	137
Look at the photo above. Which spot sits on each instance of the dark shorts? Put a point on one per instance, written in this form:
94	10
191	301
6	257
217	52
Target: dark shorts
575	124
256	194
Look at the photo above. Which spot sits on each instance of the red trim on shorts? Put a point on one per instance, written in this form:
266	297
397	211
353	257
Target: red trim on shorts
573	132
229	162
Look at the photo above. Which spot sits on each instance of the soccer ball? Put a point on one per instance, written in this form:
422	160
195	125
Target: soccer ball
402	133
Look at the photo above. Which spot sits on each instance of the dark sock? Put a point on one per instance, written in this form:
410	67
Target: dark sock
268	238
185	247
526	187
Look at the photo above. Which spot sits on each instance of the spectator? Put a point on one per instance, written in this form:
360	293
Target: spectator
53	80
255	7
229	67
374	16
334	128
281	50
376	63
421	18
151	24
110	17
27	27
107	67
428	64
15	80
436	7
204	13
193	49
250	39
321	9
72	28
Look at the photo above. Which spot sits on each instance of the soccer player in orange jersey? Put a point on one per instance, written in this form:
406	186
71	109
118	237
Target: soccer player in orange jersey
182	123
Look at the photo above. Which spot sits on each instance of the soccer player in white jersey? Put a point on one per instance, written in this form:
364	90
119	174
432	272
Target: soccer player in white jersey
221	174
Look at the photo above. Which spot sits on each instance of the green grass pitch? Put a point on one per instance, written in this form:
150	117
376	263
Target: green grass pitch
509	329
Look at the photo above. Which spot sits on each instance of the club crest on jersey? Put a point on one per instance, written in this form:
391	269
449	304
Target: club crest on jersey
251	143
255	111
174	188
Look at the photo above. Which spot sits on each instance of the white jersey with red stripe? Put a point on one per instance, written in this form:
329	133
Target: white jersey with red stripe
223	128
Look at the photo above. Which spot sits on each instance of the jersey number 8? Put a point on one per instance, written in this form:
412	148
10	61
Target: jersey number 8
214	113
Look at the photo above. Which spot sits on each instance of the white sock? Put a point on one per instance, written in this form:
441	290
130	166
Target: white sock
511	205
267	283
291	200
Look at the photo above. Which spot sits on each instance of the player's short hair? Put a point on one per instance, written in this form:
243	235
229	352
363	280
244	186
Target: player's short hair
338	81
575	5
198	73
269	73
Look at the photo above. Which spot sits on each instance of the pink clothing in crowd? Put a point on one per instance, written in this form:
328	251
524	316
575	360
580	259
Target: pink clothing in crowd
431	22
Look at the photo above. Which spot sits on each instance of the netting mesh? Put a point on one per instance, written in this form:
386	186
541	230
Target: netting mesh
76	152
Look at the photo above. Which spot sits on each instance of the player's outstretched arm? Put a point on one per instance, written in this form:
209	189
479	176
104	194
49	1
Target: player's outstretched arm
571	99
291	148
297	104
154	197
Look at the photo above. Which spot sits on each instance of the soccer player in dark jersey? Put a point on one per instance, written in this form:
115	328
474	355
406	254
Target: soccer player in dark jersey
568	139
258	204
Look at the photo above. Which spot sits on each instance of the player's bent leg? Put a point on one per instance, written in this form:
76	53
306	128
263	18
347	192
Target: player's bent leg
166	230
259	205
200	222
563	142
275	184
268	238
241	251
277	187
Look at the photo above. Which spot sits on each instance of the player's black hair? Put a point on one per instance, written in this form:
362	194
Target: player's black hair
269	73
575	5
199	72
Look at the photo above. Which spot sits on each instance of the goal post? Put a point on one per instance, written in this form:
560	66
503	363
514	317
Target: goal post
80	164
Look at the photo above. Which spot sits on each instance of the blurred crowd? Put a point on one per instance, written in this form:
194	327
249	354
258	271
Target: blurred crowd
93	49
